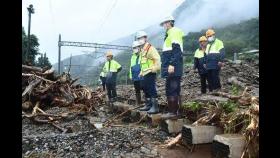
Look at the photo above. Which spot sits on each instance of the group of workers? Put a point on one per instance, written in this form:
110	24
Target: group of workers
146	63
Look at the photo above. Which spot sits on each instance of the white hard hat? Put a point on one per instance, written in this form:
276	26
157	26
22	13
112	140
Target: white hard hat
135	44
140	34
168	18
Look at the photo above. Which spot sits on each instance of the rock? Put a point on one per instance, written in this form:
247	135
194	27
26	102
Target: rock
111	145
154	152
144	150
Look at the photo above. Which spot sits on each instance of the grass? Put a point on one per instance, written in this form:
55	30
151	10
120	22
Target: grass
193	106
235	90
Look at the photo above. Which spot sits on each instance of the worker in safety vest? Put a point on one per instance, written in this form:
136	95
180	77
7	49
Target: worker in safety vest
200	62
215	54
150	65
134	73
103	80
172	65
110	69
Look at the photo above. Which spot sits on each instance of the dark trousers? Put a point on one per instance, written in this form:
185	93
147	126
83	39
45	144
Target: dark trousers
103	81
213	76
104	86
138	86
149	85
111	90
203	79
173	86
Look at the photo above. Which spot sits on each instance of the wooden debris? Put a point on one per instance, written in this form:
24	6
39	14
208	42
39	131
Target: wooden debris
172	142
107	123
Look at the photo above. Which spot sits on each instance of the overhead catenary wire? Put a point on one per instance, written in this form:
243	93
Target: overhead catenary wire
107	15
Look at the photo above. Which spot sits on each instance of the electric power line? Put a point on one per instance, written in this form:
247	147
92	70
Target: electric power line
107	15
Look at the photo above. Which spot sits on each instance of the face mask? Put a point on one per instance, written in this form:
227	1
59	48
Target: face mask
141	41
211	39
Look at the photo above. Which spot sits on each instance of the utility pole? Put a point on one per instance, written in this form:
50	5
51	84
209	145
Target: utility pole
30	11
59	52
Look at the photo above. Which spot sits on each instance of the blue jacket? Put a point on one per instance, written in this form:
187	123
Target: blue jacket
135	67
215	53
199	60
172	53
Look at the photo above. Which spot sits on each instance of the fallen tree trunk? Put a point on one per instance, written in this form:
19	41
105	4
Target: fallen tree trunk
30	87
32	68
24	74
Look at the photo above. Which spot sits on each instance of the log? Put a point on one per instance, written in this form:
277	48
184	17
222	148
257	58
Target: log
118	116
47	88
48	72
173	141
30	87
25	74
35	108
67	95
32	68
26	105
223	94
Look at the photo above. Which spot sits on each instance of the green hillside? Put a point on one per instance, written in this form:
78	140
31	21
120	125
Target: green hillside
236	37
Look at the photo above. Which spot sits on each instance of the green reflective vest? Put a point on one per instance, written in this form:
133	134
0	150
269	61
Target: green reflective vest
133	62
199	53
114	66
216	46
174	35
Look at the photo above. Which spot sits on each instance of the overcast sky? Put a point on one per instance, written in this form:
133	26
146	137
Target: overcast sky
90	20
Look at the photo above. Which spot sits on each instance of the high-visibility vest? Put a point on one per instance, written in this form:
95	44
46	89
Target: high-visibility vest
199	53
111	66
215	47
174	35
146	62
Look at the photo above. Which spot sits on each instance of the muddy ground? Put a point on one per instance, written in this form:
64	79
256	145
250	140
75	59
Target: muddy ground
85	140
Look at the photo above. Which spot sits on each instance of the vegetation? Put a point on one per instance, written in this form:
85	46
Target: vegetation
29	57
236	37
43	61
193	106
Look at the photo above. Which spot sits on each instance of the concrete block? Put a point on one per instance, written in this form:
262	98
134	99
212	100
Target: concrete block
228	145
199	134
172	126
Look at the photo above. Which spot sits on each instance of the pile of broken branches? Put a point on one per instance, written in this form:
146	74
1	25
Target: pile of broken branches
244	119
42	89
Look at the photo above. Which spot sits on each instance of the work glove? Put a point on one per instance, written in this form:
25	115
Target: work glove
171	69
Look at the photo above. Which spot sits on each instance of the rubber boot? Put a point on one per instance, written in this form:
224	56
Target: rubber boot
173	106
138	99
148	105
154	109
